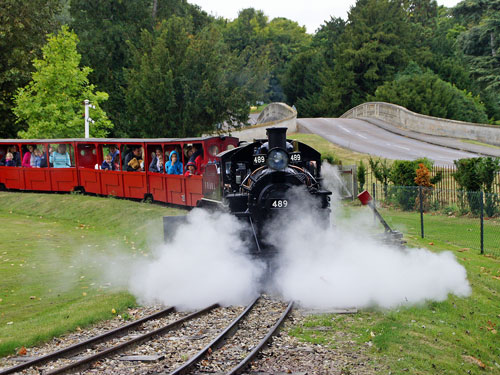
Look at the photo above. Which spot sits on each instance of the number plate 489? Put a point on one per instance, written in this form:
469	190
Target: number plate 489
279	203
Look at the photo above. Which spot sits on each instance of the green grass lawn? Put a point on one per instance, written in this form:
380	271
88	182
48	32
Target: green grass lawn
457	336
326	148
48	281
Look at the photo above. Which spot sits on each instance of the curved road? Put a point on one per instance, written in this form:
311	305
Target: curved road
367	138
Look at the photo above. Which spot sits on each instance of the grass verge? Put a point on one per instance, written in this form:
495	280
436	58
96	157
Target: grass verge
48	247
456	336
328	149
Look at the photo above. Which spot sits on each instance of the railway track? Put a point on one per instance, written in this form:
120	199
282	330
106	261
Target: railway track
207	340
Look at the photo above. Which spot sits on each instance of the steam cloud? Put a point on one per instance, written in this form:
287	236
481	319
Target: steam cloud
205	263
318	265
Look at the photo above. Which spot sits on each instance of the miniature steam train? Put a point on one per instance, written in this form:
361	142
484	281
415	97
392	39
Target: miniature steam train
260	180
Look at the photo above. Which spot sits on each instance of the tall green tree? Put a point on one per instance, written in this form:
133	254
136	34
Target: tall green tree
426	93
104	27
371	50
107	28
182	84
480	43
52	103
23	28
303	81
253	37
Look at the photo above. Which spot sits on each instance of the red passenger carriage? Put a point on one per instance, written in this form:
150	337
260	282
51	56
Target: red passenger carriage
87	155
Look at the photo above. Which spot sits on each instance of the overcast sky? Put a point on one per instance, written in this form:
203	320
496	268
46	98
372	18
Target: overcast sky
309	13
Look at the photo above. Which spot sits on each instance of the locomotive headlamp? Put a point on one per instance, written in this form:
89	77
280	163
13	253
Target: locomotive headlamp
277	159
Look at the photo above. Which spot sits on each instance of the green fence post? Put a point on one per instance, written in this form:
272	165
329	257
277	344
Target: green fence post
421	198
482	222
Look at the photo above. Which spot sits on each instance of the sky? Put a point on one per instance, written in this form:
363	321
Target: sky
309	13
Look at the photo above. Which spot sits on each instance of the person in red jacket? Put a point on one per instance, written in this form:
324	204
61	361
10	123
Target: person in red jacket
197	157
191	169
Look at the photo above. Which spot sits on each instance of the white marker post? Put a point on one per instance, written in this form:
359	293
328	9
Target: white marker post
88	120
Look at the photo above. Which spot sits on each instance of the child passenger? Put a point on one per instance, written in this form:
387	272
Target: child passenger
190	169
37	161
9	160
173	165
107	164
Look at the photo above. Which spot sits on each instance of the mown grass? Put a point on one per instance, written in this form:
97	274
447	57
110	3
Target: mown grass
457	336
49	282
479	143
328	149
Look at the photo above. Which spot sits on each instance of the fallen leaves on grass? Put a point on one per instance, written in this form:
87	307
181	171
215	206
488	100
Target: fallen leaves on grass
496	277
474	360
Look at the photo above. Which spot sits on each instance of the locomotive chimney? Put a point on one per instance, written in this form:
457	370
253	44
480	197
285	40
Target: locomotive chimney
276	137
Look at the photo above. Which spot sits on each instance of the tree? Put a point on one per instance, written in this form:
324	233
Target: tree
303	81
23	27
480	43
426	93
371	50
252	35
182	84
52	103
107	29
104	27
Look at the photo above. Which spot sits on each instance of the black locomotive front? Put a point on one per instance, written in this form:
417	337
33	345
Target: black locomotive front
267	177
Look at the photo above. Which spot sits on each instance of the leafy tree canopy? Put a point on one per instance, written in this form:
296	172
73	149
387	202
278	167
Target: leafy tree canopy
426	93
52	103
182	84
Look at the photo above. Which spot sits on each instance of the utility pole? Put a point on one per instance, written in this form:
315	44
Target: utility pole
88	120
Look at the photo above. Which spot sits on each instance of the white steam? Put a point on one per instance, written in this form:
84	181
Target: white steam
343	266
205	263
319	265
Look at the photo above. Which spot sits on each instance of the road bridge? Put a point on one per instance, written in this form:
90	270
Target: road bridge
367	137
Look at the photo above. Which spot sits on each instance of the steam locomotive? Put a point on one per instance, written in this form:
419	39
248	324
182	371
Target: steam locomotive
262	179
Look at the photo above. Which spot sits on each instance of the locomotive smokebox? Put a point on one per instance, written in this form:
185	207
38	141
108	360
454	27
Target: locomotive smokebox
276	138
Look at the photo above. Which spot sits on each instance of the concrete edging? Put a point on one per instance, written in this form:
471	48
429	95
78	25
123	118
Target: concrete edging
404	118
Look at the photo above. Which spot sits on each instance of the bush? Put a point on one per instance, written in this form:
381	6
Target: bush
426	93
361	174
403	174
474	175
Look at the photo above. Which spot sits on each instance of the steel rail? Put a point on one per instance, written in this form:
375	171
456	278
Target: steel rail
86	362
78	347
238	369
189	364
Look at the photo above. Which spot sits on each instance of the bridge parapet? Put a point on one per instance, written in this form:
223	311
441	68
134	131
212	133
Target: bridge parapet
404	118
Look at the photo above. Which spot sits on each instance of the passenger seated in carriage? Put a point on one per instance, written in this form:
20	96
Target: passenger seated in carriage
191	169
107	163
156	164
173	165
133	160
197	157
9	160
37	160
15	156
60	158
114	152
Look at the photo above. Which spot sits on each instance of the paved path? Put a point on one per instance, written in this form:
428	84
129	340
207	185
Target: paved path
368	138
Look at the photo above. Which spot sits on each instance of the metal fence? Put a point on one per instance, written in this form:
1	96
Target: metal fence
448	185
470	220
